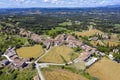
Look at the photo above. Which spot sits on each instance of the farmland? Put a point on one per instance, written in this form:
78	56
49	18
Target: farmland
105	69
59	54
28	52
58	74
89	32
94	43
111	43
105	42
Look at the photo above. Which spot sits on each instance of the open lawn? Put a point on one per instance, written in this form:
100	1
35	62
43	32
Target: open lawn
59	54
89	32
28	52
105	69
61	74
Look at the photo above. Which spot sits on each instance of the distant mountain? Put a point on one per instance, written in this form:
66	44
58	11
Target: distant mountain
25	11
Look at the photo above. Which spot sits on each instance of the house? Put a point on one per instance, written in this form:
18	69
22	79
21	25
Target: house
70	38
99	53
85	55
105	36
86	47
4	62
78	43
14	57
72	41
27	59
48	43
25	33
10	52
19	63
35	37
72	44
111	56
32	36
61	37
92	50
57	43
90	61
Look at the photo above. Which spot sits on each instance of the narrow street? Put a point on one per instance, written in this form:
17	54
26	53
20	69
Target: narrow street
38	65
39	72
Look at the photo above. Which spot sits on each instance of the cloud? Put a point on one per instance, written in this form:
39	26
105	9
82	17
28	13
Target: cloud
45	0
20	0
57	3
52	1
24	1
60	1
30	2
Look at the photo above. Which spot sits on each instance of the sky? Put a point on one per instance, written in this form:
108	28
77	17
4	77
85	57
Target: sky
56	3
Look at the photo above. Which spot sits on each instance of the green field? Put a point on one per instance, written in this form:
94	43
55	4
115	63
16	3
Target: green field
66	23
28	52
59	54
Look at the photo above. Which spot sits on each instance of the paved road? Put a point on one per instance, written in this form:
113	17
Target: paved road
42	55
39	72
47	64
37	66
7	58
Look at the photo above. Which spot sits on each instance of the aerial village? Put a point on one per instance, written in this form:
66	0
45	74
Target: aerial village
87	54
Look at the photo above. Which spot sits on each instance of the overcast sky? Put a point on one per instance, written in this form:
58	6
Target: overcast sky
56	3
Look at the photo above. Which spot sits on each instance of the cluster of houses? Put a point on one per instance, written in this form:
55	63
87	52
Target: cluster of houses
30	35
62	39
103	36
86	55
13	59
69	40
59	40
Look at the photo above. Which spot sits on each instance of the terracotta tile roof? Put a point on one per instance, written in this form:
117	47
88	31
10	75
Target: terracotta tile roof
84	55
